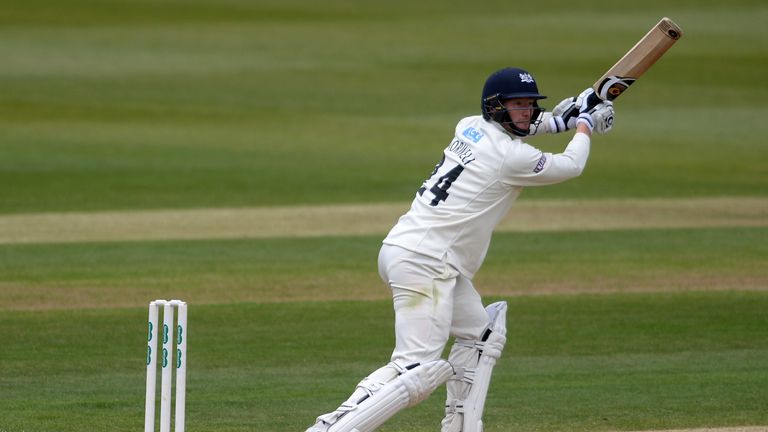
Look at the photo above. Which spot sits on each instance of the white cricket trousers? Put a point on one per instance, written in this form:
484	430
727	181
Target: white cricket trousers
432	302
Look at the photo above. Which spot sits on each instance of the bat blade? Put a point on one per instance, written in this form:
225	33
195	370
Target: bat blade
638	60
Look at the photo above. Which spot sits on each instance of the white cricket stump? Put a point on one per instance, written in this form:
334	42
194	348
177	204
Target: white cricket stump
166	355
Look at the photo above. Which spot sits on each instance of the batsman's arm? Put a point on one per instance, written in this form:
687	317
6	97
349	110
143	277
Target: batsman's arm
529	166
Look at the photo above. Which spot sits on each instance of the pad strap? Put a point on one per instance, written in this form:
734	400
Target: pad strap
408	389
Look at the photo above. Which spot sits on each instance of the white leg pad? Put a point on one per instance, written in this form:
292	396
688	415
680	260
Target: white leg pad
474	362
408	389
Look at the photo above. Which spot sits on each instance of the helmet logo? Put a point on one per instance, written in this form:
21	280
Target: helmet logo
526	78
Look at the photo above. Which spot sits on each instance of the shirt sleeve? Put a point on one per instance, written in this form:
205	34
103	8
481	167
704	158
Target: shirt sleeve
526	165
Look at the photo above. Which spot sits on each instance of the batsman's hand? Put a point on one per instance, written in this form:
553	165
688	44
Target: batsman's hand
603	116
599	119
570	108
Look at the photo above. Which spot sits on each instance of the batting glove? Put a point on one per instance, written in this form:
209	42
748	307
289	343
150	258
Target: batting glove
570	108
556	124
603	116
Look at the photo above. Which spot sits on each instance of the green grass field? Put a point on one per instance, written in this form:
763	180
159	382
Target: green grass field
125	109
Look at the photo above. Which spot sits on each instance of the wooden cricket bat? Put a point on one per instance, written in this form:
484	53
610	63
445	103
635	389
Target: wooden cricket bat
636	61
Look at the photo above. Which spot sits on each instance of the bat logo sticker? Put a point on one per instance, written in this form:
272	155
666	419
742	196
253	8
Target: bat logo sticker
613	86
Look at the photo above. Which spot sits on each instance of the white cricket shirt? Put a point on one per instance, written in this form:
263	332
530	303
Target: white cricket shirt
482	172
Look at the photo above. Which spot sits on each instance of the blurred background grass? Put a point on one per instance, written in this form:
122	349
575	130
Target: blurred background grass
178	104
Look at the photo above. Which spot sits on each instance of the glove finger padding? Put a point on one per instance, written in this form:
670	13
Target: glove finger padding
570	108
583	99
603	117
565	106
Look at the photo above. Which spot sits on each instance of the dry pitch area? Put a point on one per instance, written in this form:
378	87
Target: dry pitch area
371	219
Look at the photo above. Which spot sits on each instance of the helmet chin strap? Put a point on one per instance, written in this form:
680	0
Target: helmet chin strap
513	129
508	125
494	110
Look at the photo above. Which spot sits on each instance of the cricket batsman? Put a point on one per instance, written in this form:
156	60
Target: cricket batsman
430	256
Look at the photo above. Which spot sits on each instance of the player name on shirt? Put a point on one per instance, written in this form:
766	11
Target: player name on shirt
462	150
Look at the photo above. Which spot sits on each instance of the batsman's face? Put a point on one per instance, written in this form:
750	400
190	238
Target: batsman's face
520	111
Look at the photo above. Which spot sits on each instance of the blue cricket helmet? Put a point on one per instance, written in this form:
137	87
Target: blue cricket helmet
504	84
